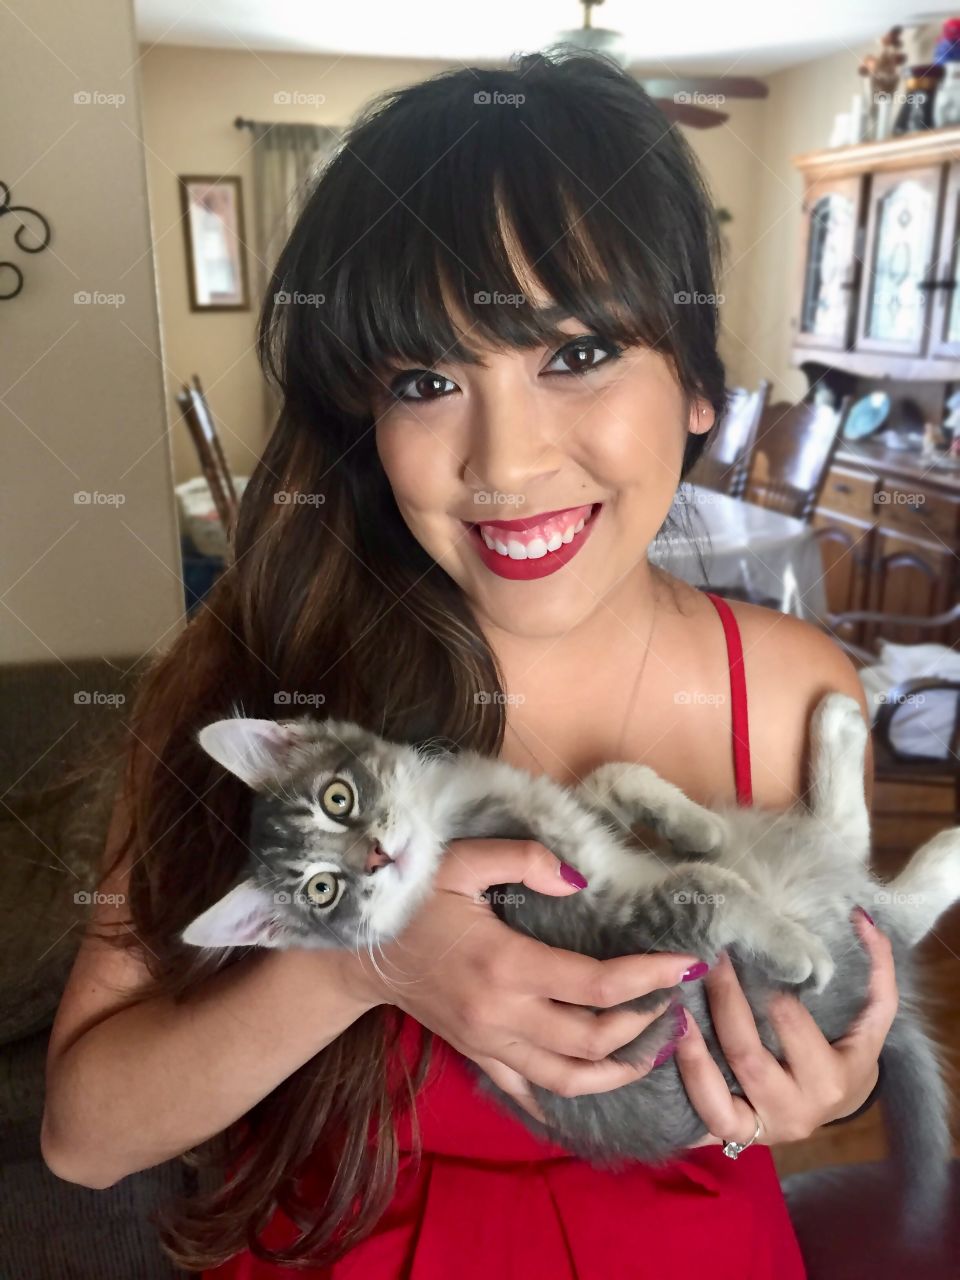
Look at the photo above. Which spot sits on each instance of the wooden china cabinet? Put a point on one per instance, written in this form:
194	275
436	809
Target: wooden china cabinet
878	309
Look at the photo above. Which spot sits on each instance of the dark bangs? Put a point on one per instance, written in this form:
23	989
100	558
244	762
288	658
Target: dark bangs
448	200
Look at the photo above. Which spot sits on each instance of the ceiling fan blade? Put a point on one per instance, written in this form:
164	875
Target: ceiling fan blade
694	117
728	86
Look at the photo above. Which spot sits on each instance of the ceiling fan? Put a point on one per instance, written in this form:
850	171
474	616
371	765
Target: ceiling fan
681	99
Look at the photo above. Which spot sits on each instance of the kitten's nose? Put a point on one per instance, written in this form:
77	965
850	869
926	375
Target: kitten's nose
376	858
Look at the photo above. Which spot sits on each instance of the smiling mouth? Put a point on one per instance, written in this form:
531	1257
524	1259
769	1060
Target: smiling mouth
534	546
532	537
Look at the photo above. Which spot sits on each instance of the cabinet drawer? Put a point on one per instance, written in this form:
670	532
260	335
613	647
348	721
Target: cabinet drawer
918	512
850	493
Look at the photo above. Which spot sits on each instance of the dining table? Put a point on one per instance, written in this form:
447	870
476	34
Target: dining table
743	550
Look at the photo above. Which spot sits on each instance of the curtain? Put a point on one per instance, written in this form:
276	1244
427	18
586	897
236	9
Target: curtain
286	159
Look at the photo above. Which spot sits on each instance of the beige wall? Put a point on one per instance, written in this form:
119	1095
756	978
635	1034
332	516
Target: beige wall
797	117
82	398
192	95
191	98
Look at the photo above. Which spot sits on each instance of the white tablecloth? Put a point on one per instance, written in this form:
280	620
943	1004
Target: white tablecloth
746	548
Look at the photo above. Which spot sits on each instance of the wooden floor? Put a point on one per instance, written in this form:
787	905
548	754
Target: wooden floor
903	818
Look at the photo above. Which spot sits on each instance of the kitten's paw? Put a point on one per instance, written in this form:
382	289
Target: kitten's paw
799	957
703	832
839	724
637	795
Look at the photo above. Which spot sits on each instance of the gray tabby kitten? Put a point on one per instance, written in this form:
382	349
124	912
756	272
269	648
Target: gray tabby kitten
348	830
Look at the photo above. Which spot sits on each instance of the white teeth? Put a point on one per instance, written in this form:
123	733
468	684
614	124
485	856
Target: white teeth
535	549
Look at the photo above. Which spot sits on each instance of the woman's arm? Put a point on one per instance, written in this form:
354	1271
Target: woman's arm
130	1089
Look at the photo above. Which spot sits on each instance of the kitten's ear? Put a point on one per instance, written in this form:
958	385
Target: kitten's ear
254	750
245	917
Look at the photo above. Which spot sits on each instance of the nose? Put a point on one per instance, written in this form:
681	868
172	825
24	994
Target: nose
508	449
376	858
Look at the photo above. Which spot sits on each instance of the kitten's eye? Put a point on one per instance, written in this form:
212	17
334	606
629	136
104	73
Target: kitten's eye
337	800
324	889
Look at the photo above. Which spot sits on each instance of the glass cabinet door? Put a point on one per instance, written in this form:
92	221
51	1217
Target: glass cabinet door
945	286
895	303
829	269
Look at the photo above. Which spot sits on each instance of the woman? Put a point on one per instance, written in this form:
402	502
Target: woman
495	332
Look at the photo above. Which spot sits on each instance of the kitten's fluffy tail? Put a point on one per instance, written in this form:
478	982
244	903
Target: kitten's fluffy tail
917	1110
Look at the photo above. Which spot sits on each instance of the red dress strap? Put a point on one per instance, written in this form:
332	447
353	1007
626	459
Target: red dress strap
740	730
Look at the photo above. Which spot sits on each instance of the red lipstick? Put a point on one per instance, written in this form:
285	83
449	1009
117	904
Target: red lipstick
541	566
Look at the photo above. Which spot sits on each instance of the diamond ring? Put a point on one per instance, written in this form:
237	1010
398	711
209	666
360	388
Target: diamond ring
733	1149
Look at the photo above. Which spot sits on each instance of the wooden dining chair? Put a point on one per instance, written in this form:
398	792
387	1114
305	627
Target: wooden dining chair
213	460
890	763
792	453
725	461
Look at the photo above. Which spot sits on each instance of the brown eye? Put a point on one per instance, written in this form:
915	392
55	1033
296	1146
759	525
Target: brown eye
337	799
324	889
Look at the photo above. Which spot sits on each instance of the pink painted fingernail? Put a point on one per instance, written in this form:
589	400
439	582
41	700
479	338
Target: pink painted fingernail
866	913
572	876
695	971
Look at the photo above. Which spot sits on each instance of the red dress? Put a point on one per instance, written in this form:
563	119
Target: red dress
488	1200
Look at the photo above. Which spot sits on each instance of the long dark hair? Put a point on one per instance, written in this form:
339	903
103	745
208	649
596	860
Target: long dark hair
566	159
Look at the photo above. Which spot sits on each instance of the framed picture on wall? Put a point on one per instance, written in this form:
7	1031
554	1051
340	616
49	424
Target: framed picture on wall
216	245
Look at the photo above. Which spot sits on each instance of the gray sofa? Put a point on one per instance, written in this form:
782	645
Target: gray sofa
51	1229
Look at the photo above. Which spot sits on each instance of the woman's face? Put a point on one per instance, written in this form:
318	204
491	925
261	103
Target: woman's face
539	478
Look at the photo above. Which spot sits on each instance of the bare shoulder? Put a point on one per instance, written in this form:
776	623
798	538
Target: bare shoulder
790	665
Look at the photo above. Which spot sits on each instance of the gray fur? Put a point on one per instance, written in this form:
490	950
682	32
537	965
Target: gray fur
773	889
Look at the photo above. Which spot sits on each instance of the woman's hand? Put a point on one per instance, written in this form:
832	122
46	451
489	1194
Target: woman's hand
819	1081
503	999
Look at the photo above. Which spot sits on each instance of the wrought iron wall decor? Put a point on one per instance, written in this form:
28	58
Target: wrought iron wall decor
43	240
